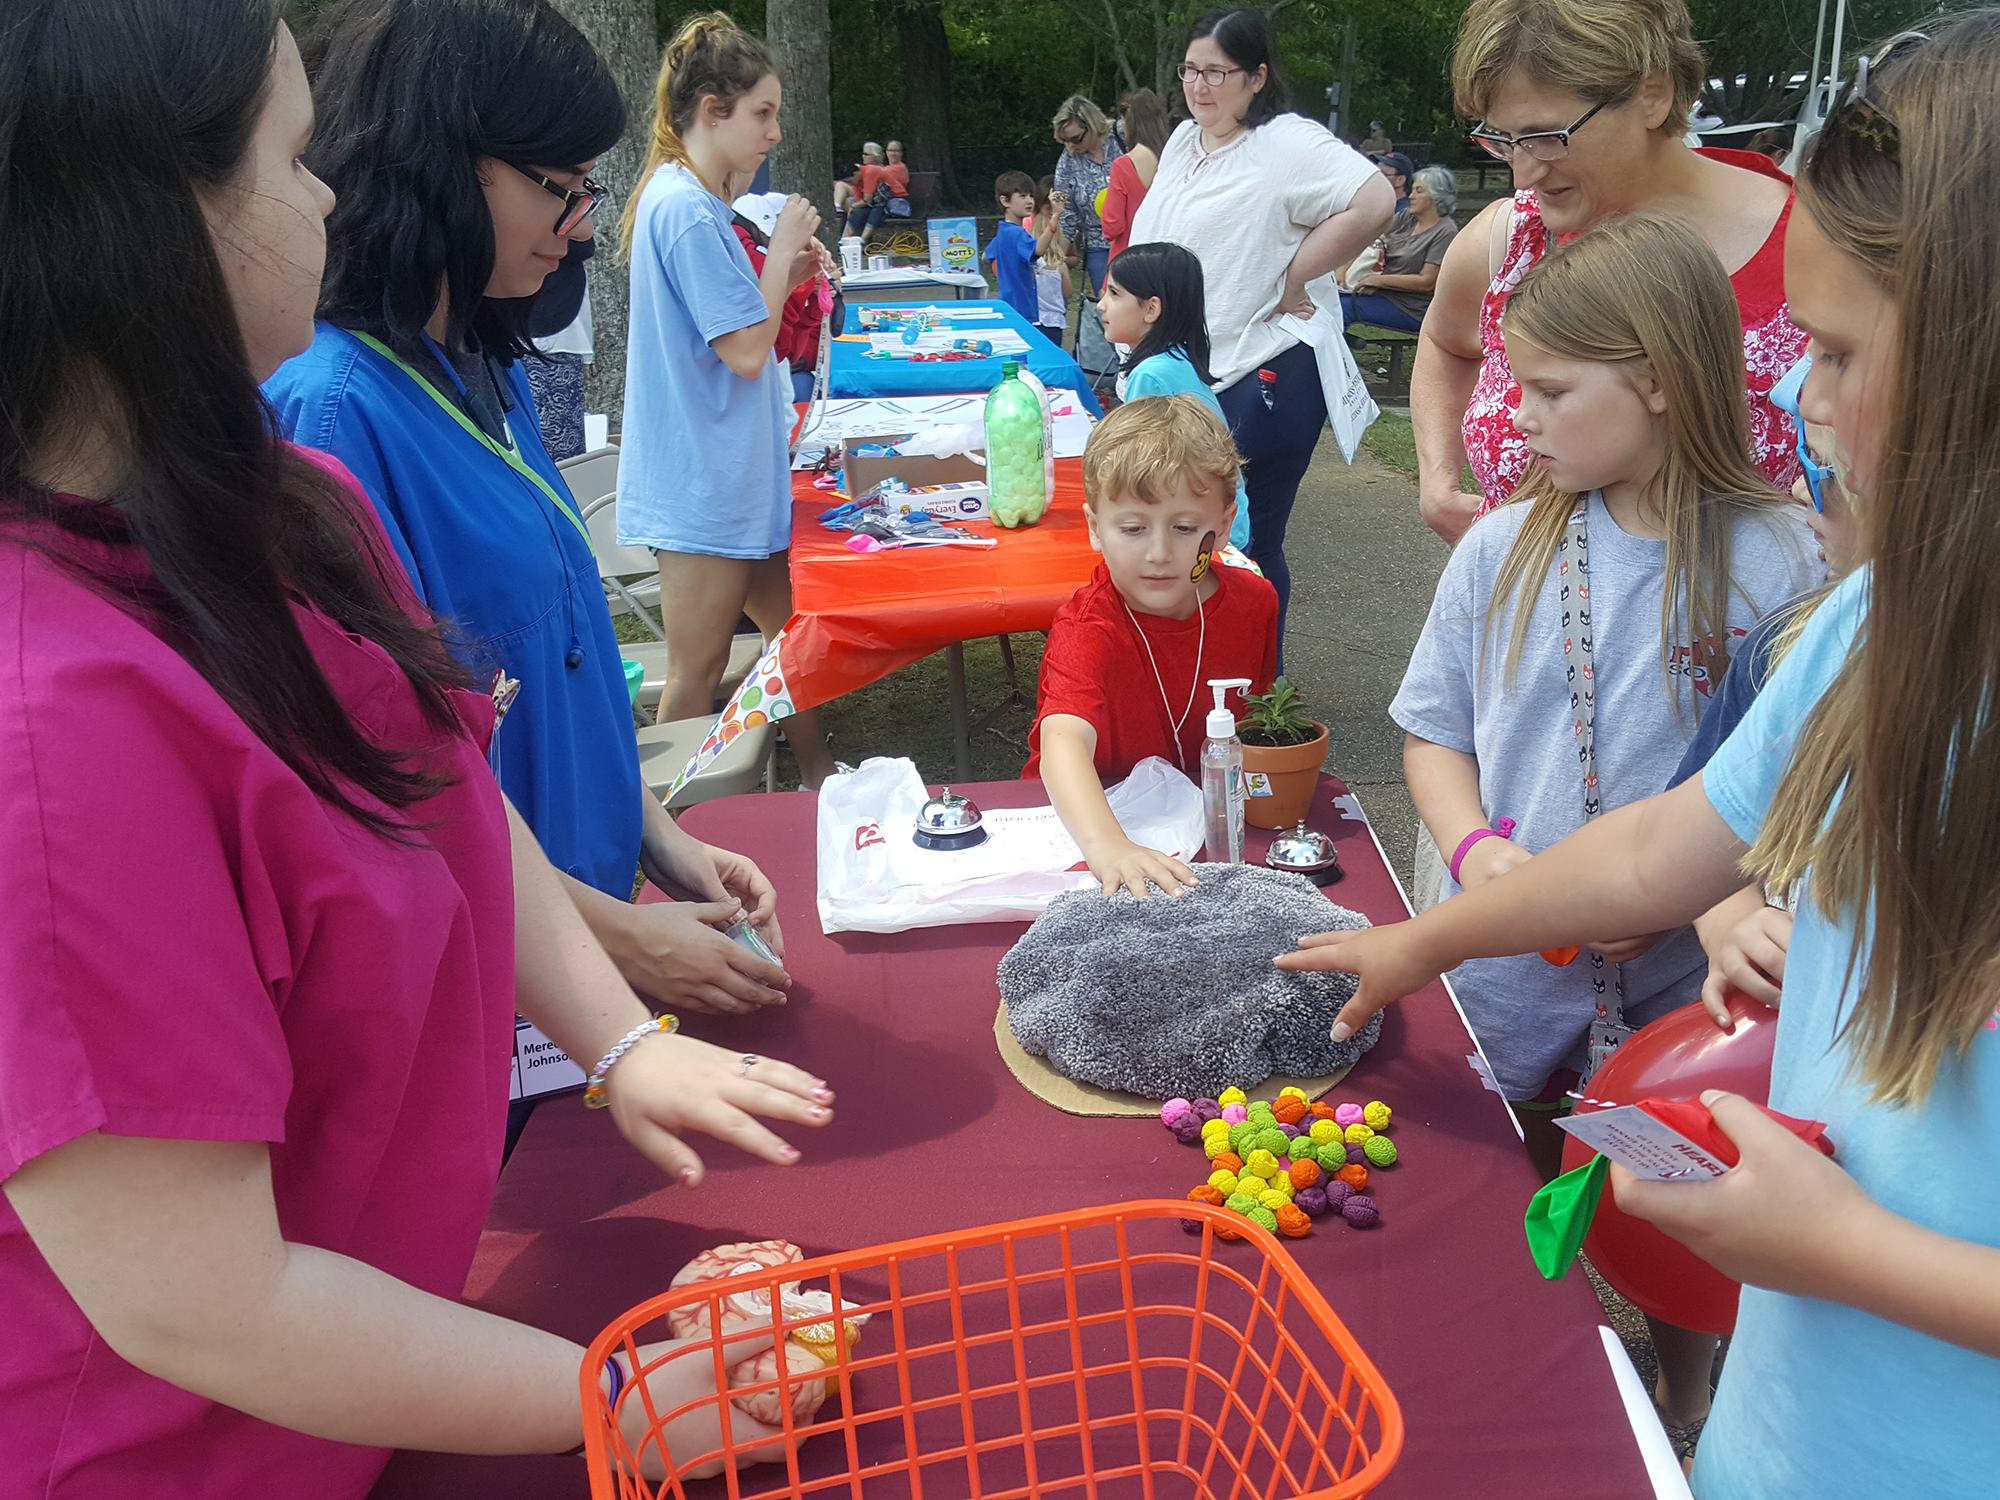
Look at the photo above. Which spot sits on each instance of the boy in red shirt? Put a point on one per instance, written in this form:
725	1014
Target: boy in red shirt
1129	658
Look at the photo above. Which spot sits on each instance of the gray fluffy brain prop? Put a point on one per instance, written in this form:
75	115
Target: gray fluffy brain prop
1177	998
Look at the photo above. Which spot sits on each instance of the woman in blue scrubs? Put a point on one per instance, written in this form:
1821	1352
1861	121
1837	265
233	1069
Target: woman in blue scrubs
454	204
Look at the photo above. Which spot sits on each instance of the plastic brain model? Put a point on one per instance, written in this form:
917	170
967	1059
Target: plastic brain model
1177	997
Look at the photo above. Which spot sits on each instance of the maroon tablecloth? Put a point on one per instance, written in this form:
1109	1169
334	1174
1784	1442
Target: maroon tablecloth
1501	1375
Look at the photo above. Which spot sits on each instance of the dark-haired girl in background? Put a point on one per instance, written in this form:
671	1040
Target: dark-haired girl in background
453	206
264	917
1268	201
1152	302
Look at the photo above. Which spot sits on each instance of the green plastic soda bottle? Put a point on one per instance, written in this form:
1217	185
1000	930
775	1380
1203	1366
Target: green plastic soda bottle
1017	489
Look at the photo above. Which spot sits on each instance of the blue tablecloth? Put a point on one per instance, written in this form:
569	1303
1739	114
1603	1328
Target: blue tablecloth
853	373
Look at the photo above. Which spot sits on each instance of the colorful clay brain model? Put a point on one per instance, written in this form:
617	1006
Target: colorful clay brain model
1285	1162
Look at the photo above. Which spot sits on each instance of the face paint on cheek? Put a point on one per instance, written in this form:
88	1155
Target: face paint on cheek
1200	569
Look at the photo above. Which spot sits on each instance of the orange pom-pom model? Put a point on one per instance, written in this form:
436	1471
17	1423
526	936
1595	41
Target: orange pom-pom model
1304	1174
1289	1109
1293	1223
1321	1110
1228	1161
1203	1193
1355	1176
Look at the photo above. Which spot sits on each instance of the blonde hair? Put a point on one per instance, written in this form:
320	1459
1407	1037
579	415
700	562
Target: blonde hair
1142	448
710	56
1892	796
1600	50
1077	110
1645	291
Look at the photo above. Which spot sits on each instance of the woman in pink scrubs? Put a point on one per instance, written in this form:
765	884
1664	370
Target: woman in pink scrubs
264	915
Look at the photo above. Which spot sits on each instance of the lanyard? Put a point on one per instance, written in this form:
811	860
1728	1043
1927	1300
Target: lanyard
508	455
1573	573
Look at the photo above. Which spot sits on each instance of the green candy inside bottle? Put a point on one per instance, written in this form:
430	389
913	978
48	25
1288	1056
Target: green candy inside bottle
1017	489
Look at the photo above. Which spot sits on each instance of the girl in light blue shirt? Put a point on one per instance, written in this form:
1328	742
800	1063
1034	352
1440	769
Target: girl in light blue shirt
705	473
1152	301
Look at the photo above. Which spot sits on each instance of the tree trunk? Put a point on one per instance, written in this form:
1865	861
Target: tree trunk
626	35
927	93
801	36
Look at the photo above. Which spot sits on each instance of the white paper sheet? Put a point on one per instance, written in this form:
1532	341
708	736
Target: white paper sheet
873	415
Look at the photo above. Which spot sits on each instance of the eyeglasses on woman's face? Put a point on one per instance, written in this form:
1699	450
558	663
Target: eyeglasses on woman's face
1074	139
1214	77
578	203
1542	145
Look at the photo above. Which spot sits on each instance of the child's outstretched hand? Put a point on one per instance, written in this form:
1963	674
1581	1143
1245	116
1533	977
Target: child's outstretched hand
1131	866
1786	1217
669	1084
1389	961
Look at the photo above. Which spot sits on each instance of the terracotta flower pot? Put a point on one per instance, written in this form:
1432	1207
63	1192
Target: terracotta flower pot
1288	775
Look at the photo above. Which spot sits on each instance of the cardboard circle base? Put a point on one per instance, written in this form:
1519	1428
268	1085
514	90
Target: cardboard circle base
1036	1076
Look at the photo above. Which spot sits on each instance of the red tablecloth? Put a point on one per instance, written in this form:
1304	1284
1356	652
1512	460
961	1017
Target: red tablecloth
857	617
1501	1375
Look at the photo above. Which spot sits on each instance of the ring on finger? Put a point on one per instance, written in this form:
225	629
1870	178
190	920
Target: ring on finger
745	1063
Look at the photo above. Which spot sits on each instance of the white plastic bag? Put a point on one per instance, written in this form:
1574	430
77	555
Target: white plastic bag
874	878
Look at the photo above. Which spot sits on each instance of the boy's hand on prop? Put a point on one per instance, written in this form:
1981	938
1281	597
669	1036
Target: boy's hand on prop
1488	859
689	1378
673	953
1785	1217
670	1084
1132	867
1750	958
1624	950
1389	961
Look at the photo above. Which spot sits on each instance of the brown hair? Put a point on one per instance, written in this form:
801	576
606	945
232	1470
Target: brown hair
1138	451
1145	121
1600	50
1645	291
711	56
1008	183
1891	799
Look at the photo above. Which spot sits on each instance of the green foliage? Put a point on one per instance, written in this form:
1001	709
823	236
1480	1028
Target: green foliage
1276	718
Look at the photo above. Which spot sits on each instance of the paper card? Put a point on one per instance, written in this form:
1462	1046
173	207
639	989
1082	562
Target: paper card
1312	332
1642	1145
540	1066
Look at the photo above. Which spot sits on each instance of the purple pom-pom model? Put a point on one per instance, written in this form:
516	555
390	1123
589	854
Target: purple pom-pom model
1206	1110
1359	1210
1192	1226
1357	1156
1312	1201
1187	1130
1337	1193
1291	1131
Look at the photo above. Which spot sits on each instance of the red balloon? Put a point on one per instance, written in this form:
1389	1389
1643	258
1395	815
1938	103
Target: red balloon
1677	1057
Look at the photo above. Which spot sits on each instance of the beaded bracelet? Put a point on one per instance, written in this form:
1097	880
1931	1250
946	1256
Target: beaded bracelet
595	1096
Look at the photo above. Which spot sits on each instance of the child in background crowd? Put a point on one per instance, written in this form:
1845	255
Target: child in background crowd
1011	252
1053	283
1577	631
1129	657
1154	304
754	217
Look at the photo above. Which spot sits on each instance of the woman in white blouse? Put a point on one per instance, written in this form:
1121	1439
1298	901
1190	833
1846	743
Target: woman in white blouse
1268	201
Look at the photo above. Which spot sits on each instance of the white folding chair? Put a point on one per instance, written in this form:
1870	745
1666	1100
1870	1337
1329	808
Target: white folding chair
652	655
630	576
665	749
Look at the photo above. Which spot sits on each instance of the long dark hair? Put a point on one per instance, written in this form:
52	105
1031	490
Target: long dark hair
112	115
410	94
1246	39
1173	274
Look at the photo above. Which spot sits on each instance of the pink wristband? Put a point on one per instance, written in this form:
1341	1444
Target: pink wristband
1465	847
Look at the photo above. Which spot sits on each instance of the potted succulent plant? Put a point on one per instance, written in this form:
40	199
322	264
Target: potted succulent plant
1283	748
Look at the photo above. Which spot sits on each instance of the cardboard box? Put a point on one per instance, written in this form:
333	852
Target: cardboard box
946	502
864	472
954	244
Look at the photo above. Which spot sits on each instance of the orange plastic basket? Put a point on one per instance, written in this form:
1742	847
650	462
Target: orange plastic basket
1102	1354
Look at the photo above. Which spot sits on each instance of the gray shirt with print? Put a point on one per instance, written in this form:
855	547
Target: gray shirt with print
1531	1016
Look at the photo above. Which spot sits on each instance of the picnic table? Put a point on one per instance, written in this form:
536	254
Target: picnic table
852	372
1504	1381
